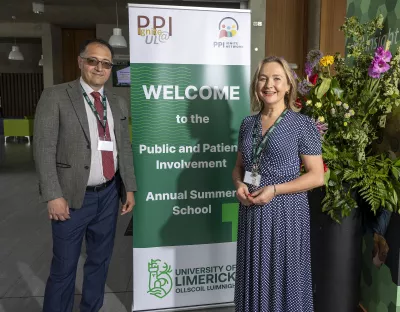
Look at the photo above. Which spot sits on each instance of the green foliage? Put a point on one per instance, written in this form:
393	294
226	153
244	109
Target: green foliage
356	34
353	106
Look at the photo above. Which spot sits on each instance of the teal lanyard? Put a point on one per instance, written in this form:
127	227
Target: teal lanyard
103	122
258	146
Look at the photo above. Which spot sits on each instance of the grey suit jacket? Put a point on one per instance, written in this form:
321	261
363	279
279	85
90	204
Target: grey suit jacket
61	143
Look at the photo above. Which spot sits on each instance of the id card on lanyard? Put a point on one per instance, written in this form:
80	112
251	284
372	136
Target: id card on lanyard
259	144
103	145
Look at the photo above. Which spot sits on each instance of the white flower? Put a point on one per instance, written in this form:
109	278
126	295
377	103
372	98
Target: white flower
345	106
318	105
351	112
347	115
309	102
333	111
338	103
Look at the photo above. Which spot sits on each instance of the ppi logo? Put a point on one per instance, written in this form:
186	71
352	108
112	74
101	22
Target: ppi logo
228	30
228	27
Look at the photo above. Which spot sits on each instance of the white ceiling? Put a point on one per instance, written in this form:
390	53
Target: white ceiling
88	13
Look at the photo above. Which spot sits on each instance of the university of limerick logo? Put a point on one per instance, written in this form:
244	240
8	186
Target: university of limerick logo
160	280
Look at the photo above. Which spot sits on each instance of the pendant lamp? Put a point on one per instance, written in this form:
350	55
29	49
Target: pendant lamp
15	53
117	40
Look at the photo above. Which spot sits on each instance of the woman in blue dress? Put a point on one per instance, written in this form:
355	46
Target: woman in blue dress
273	247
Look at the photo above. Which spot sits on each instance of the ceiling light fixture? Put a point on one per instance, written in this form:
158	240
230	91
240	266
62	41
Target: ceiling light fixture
15	53
38	7
41	61
117	40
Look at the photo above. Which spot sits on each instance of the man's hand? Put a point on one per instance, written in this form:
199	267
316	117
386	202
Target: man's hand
130	202
58	209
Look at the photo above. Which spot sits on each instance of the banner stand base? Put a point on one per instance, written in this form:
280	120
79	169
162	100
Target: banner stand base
192	308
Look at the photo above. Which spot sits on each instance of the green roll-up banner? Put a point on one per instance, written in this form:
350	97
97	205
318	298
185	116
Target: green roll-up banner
190	75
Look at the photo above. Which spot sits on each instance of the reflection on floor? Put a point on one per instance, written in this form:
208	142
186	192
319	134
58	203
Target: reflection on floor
25	241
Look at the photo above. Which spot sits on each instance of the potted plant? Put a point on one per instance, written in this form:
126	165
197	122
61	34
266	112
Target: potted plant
349	98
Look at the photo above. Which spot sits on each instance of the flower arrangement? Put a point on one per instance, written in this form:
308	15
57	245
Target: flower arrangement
349	99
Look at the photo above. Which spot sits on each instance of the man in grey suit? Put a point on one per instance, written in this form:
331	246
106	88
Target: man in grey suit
84	161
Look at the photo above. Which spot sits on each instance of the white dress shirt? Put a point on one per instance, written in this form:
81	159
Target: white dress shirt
96	166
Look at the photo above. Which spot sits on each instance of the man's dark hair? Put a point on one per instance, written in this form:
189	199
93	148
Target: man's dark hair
98	41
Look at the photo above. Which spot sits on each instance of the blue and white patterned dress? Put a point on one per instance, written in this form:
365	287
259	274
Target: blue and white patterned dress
273	249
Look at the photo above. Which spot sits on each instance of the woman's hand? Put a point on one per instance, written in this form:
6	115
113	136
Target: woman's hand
242	193
262	196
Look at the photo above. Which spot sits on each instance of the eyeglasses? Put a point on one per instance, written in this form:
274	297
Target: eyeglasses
91	61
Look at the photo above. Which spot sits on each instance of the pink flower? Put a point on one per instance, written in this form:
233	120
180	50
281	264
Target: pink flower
377	67
383	54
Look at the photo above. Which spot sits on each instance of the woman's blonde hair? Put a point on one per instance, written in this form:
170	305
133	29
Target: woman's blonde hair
290	99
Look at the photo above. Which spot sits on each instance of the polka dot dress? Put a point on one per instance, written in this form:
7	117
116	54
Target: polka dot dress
273	248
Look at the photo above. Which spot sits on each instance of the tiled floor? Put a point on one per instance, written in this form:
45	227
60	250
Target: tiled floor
25	242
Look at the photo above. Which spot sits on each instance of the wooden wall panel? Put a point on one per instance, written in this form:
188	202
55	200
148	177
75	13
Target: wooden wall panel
331	38
71	41
286	30
20	93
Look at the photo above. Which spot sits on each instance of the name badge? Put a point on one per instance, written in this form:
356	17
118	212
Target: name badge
251	178
105	146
